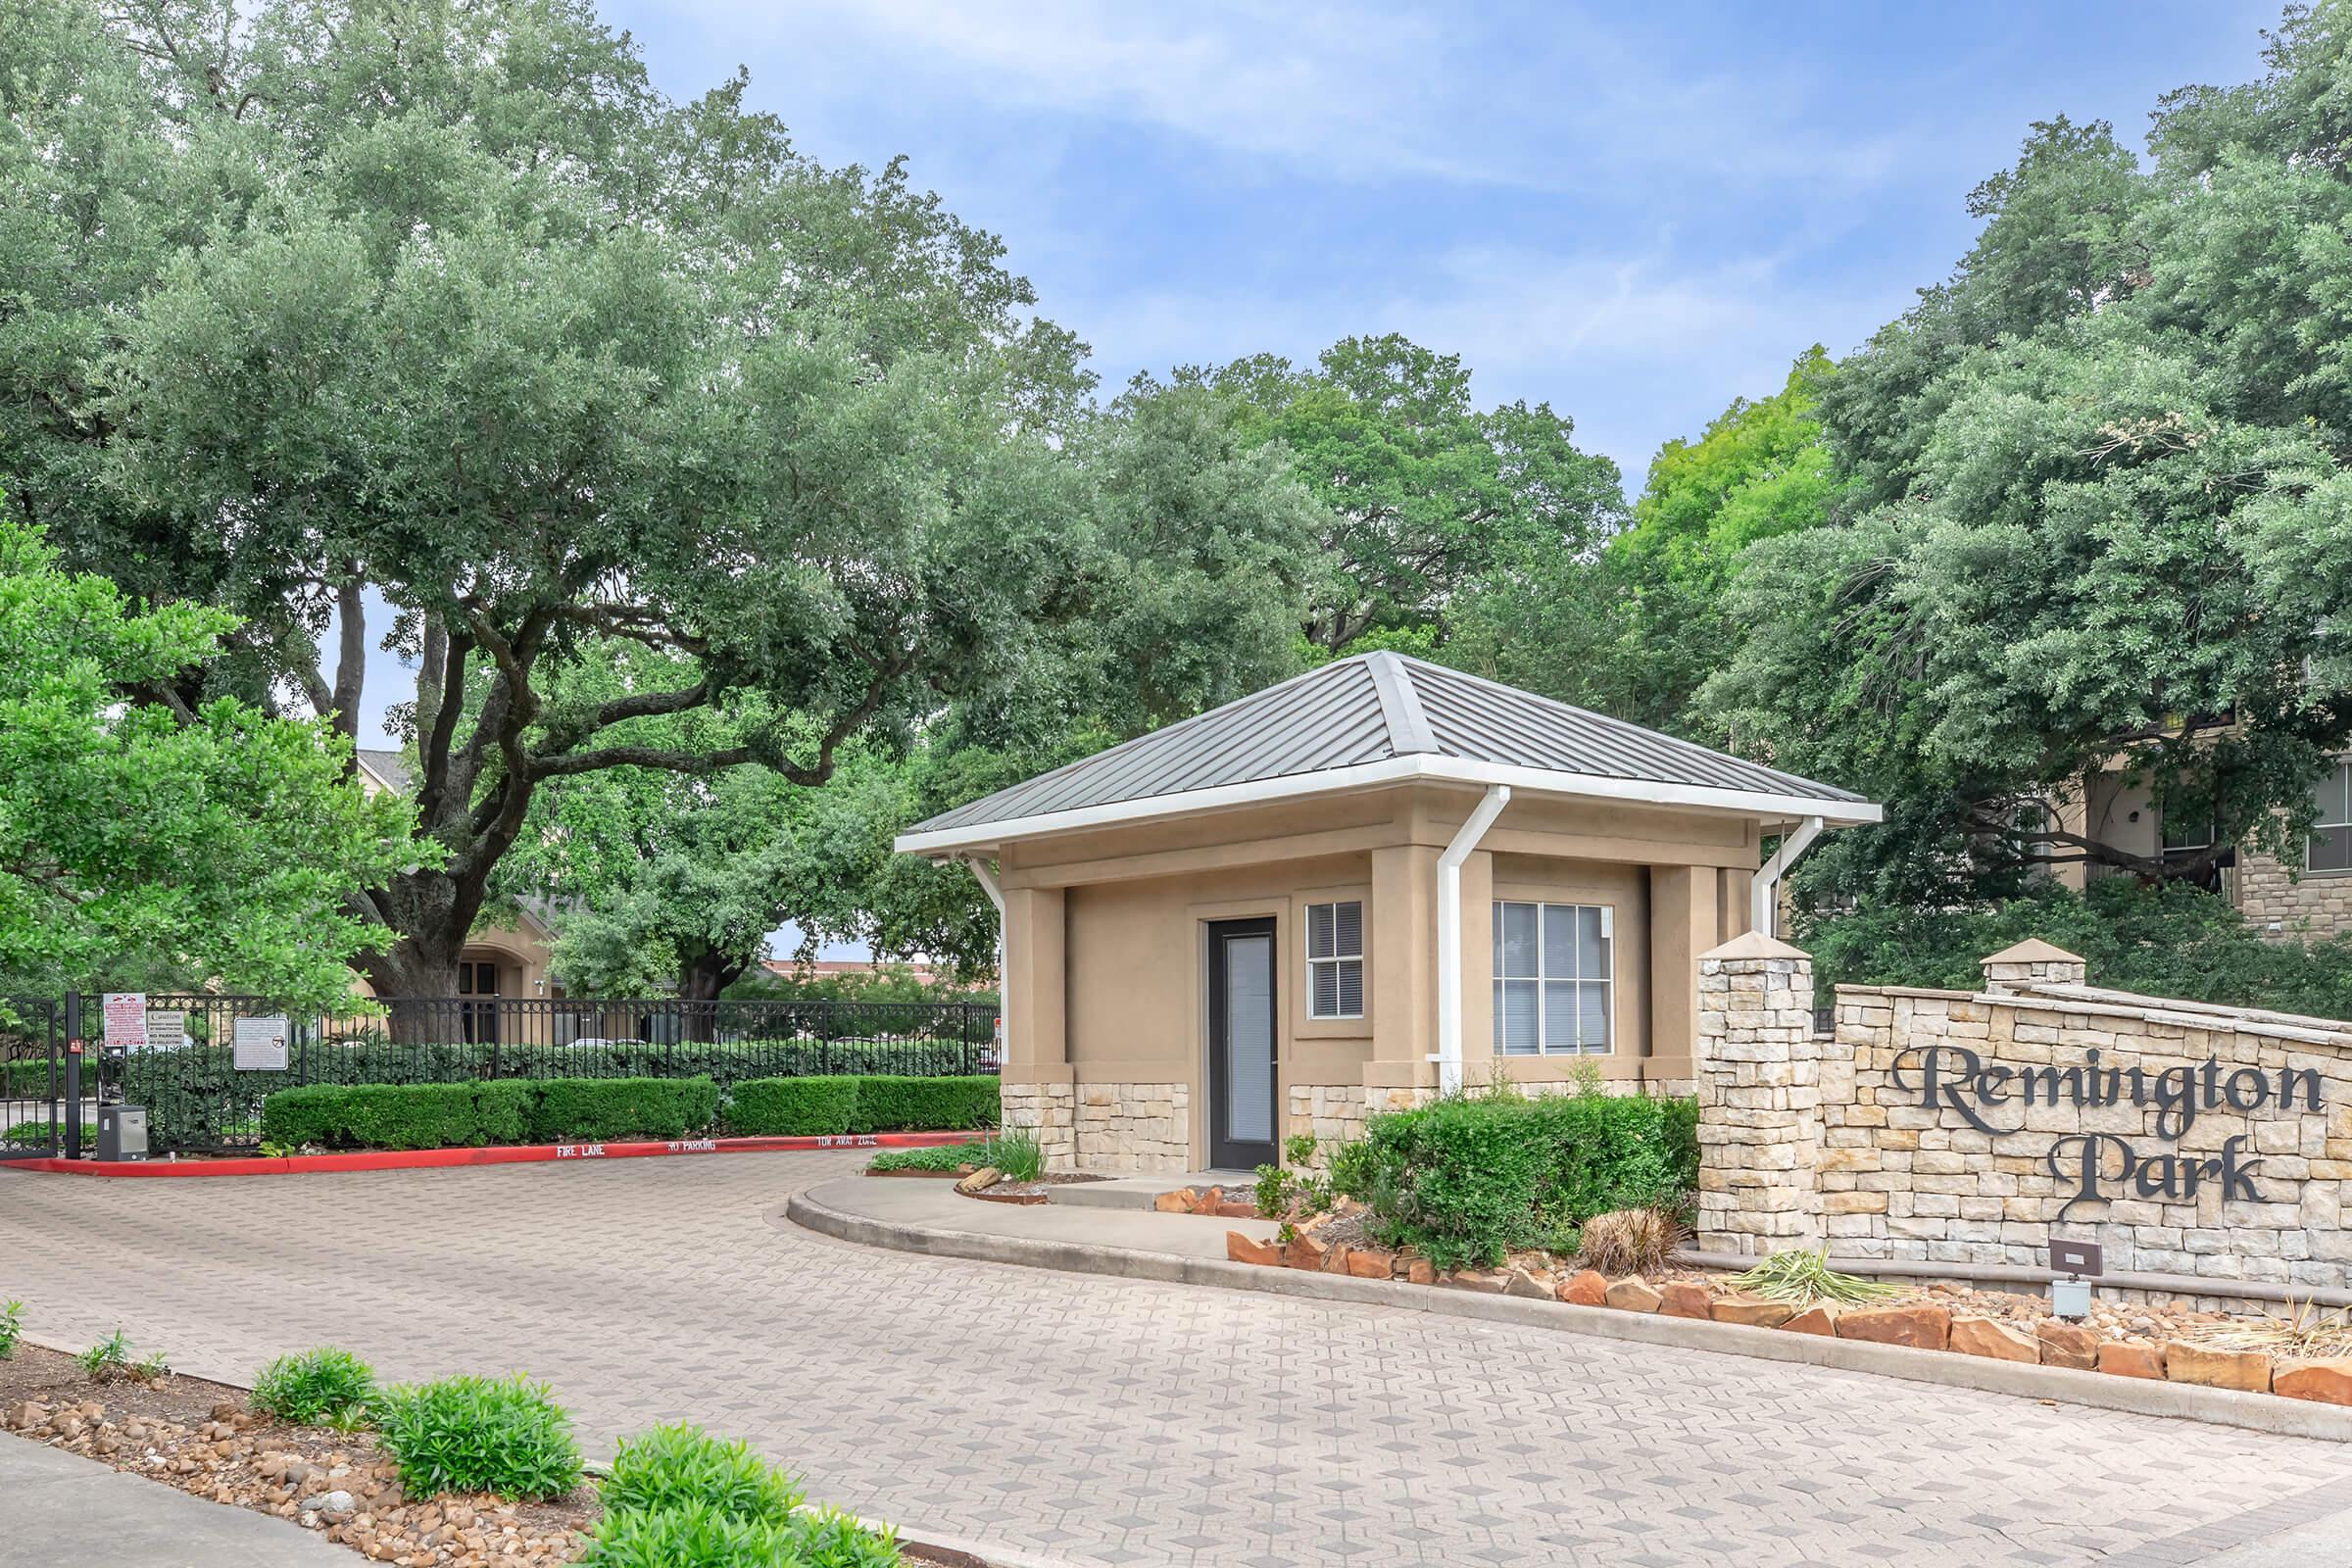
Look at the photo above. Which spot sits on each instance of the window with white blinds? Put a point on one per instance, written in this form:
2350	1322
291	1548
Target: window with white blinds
1335	960
1552	979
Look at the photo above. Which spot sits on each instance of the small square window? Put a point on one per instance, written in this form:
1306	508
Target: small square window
1335	960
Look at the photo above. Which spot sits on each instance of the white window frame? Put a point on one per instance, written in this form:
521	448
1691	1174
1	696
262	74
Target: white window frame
2343	766
1335	961
1606	982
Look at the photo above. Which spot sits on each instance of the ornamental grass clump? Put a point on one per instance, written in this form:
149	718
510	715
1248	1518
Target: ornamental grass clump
1016	1154
671	1466
2308	1335
1629	1241
469	1434
308	1389
1802	1278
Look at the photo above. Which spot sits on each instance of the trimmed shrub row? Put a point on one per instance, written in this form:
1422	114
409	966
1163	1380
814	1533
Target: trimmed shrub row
405	1117
195	1095
803	1107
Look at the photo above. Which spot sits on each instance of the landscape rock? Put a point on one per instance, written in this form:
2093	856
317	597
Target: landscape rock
2212	1368
1370	1263
981	1180
2065	1344
1179	1202
1522	1283
1585	1287
1819	1318
1633	1294
2329	1382
1750	1311
1306	1253
1681	1298
1921	1325
1242	1249
1420	1271
1992	1339
1487	1282
2125	1359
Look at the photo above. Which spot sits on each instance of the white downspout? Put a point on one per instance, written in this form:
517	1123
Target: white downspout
1449	1057
1764	903
996	895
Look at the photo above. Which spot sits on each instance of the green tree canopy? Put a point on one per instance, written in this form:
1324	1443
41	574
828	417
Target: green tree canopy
151	839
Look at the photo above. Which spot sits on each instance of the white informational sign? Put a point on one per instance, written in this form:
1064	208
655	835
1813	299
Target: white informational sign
126	1020
166	1029
262	1045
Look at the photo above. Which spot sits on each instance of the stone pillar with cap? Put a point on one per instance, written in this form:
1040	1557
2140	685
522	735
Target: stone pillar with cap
1759	1097
2029	964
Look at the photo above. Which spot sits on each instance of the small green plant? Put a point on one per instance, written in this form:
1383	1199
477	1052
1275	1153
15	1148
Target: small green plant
1294	1190
672	1466
12	1327
1803	1278
697	1535
306	1389
471	1434
350	1420
271	1151
1016	1153
941	1156
111	1358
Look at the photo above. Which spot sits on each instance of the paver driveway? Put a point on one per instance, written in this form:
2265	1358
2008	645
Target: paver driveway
1119	1422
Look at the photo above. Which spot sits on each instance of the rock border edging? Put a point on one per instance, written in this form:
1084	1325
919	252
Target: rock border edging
2257	1413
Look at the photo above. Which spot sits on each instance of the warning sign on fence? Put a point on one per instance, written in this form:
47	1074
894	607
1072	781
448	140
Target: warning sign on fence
126	1020
260	1044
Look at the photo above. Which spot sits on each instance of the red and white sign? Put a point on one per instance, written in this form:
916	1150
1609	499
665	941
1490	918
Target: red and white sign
126	1020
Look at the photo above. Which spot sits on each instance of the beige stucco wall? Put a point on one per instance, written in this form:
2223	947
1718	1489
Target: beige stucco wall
1107	974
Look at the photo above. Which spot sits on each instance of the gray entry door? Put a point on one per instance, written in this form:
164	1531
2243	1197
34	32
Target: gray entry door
1241	1044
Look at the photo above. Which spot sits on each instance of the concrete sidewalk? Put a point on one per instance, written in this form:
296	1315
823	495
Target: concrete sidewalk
63	1509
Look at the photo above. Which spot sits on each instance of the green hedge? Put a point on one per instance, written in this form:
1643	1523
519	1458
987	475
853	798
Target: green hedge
1469	1177
769	1108
30	1080
511	1111
399	1115
194	1094
924	1104
605	1109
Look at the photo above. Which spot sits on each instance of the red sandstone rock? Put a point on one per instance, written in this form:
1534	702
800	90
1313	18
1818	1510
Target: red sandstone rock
1242	1249
1921	1325
1370	1263
1585	1287
1235	1208
2065	1344
2329	1382
1822	1319
1306	1253
1179	1202
2124	1360
1420	1271
1633	1294
1750	1311
1683	1299
2249	1370
1486	1282
1993	1338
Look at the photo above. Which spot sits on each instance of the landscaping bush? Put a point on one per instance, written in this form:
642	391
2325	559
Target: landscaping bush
792	1107
399	1115
673	1466
12	1327
468	1434
1468	1177
2167	941
938	1158
893	1105
309	1387
603	1110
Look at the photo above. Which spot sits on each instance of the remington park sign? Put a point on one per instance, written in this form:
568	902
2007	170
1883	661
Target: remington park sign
1994	1098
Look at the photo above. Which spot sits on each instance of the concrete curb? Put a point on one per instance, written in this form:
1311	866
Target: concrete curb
2255	1412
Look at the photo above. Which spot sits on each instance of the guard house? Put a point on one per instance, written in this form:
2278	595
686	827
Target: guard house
1344	893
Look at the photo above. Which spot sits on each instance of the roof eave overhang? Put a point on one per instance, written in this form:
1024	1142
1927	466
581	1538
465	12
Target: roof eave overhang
948	843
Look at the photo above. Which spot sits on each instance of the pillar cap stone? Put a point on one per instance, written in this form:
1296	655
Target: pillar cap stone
1755	944
2033	950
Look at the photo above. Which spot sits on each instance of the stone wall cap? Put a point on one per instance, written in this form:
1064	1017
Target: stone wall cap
2033	950
1755	944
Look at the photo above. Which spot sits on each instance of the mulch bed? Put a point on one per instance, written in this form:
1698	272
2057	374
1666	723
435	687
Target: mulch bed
1037	1192
204	1438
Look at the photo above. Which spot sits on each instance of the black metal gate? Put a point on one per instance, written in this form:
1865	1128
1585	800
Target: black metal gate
32	1080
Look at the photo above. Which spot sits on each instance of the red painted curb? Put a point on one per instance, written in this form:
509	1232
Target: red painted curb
518	1154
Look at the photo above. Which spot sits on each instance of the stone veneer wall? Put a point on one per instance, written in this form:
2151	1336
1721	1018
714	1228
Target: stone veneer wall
2269	893
1045	1110
1877	1174
1134	1127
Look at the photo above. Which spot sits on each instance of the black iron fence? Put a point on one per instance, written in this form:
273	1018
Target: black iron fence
32	1078
202	1063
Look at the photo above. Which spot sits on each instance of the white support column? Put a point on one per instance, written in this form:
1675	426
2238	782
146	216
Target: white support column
996	895
1764	894
1449	934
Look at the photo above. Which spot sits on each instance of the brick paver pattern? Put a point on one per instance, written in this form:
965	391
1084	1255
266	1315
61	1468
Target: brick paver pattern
1117	1422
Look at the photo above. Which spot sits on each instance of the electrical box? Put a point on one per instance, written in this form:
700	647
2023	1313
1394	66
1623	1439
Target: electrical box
121	1132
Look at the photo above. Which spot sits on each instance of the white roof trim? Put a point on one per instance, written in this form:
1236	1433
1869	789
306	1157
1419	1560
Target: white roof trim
1399	705
1429	767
